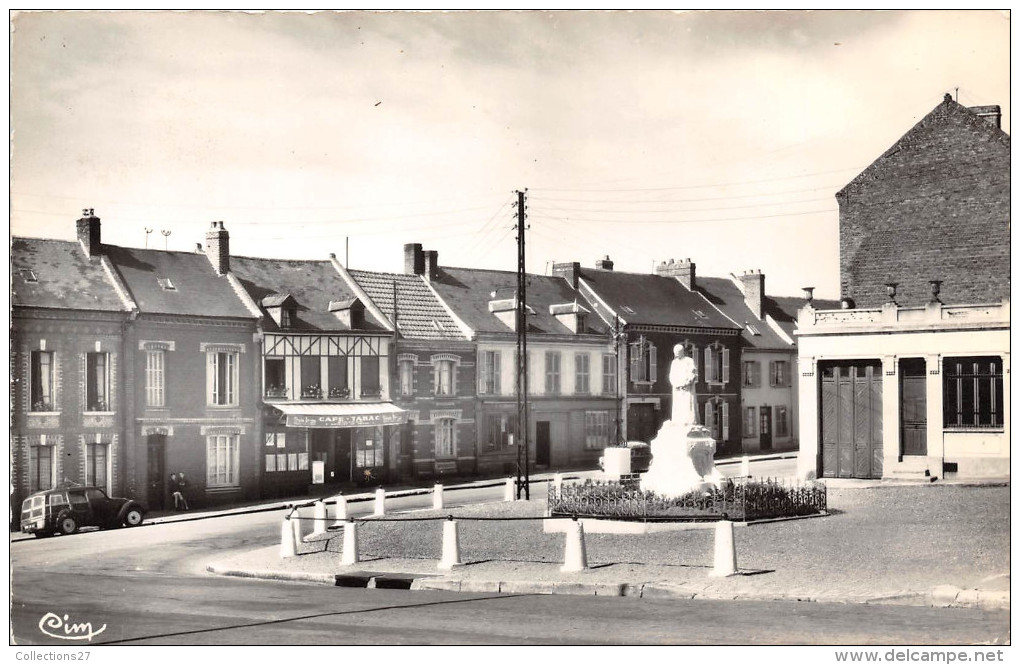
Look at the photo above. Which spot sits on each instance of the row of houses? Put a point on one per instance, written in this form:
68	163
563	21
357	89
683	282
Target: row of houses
262	377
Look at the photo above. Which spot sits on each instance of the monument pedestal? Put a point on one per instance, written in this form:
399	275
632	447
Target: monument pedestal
682	461
615	463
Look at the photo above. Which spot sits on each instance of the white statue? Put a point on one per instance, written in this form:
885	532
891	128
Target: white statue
683	451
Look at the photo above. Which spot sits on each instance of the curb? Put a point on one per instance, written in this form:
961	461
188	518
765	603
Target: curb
945	596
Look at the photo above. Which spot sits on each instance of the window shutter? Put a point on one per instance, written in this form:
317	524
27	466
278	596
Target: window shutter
210	379
694	357
708	363
726	421
708	415
435	378
85	382
725	365
635	362
772	373
653	362
496	387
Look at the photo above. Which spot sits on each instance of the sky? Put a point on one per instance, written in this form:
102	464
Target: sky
716	136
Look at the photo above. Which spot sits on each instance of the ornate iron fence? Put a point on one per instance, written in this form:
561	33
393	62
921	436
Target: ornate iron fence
741	500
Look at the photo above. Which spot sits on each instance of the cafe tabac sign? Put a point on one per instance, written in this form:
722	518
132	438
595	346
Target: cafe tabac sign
332	420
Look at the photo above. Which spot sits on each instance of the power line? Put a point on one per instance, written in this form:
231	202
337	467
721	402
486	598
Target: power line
724	184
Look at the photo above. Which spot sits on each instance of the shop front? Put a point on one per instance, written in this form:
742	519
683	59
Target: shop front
320	447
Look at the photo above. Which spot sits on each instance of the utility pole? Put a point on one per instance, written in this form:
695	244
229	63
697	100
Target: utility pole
523	480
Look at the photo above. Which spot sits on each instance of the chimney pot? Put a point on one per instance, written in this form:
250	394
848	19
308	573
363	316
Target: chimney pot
198	248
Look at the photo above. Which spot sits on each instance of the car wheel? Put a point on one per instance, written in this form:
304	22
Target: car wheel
133	517
68	525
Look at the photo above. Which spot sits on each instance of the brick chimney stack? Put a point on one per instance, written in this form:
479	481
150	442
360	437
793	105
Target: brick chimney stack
568	271
604	264
990	114
682	270
754	291
217	242
88	232
414	259
431	268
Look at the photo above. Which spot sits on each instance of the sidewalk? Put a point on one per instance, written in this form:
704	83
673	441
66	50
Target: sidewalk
929	545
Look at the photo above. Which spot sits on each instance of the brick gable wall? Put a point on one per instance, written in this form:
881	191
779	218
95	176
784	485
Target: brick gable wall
936	206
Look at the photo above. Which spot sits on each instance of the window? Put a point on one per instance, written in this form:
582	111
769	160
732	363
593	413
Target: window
750	422
222	378
286	317
552	372
443	377
782	422
717	364
582	372
97	381
370	376
446	437
276	377
221	460
311	377
155	377
40	468
972	389
779	375
42	381
500	430
752	374
271	463
490	380
369	448
96	456
338	386
281	461
596	429
717	419
406	370
643	361
276	439
608	374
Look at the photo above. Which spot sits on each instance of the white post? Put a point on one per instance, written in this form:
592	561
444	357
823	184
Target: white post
437	497
295	522
319	525
725	552
451	546
558	482
341	511
288	547
575	558
745	466
508	492
380	502
350	555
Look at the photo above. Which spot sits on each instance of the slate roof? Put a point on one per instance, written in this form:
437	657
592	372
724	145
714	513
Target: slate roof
197	289
312	284
420	315
66	278
728	297
468	291
645	299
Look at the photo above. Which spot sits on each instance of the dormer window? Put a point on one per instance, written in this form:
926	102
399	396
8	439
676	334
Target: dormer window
166	284
282	308
571	315
286	318
350	312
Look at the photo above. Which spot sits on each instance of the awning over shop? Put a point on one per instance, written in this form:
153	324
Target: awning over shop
330	416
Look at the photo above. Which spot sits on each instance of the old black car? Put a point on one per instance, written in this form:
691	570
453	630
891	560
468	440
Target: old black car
64	510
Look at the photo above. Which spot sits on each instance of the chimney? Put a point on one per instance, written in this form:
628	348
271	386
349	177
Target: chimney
990	114
88	232
682	270
604	264
198	248
217	242
568	271
431	268
754	291
414	259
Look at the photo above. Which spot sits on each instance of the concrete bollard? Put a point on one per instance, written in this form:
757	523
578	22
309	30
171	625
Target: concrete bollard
288	546
725	552
437	497
558	483
319	525
745	466
295	523
350	555
508	493
341	511
451	546
575	559
380	502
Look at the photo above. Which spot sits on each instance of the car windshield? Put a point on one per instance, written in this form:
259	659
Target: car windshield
95	495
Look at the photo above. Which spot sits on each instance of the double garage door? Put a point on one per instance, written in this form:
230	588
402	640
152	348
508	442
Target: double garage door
851	419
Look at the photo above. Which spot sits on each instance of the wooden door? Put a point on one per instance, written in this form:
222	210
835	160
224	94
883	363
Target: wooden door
156	471
641	425
765	428
913	407
542	443
851	419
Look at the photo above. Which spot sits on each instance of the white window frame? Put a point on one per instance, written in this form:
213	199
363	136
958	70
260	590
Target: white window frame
490	373
222	460
405	370
750	422
552	373
444	377
774	374
446	438
107	383
717	359
214	391
155	378
582	373
609	386
596	429
90	479
644	361
52	381
33	462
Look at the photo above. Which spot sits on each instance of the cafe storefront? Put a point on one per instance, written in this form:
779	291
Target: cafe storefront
316	447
